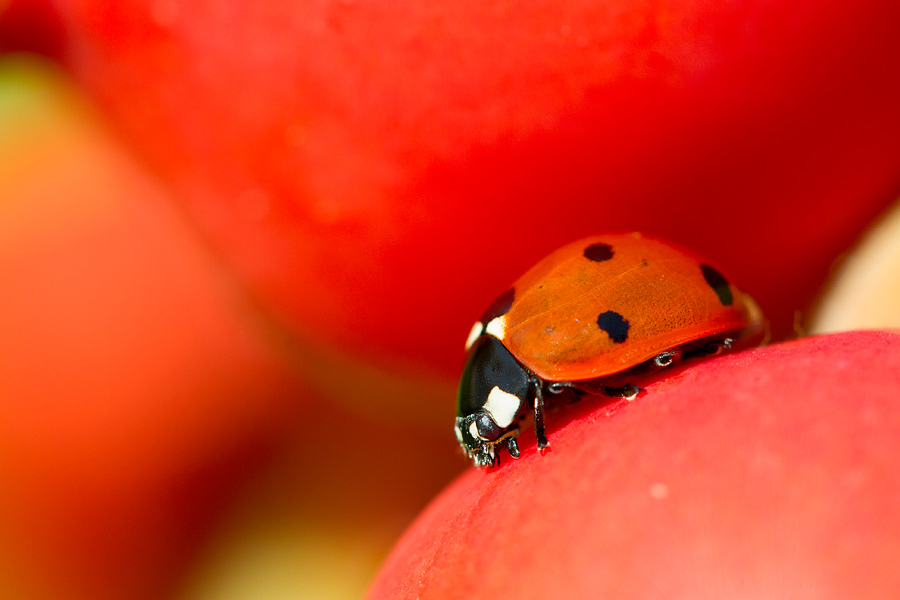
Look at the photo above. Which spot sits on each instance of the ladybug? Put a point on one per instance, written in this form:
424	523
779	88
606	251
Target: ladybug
588	318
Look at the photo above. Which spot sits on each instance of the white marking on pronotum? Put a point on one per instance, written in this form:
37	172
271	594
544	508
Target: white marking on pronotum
502	406
497	327
458	433
473	335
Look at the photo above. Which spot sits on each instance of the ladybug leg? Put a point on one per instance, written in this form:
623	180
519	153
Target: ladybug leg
713	348
542	442
626	392
558	387
513	447
719	346
664	359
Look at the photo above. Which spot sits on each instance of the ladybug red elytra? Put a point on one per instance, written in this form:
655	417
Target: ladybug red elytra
588	317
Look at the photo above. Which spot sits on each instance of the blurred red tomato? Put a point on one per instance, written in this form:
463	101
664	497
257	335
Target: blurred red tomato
378	172
29	25
136	393
769	473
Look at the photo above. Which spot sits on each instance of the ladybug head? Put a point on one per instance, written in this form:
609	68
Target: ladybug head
493	395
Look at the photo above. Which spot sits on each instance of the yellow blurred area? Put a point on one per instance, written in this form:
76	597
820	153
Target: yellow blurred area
43	120
269	564
865	290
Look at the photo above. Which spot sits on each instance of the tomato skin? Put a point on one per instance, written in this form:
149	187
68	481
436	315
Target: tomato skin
732	479
719	127
658	292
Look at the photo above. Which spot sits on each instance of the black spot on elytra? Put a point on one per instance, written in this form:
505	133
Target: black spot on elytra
499	307
718	283
615	325
598	252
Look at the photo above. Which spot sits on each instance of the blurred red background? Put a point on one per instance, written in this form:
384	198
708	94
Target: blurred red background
135	395
375	173
244	243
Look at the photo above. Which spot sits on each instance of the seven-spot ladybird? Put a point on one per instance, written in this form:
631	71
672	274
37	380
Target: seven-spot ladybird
589	317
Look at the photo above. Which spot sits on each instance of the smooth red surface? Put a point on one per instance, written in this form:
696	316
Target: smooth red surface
378	171
659	290
769	473
31	26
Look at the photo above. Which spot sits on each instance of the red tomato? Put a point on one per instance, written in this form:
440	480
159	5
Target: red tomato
757	474
372	170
